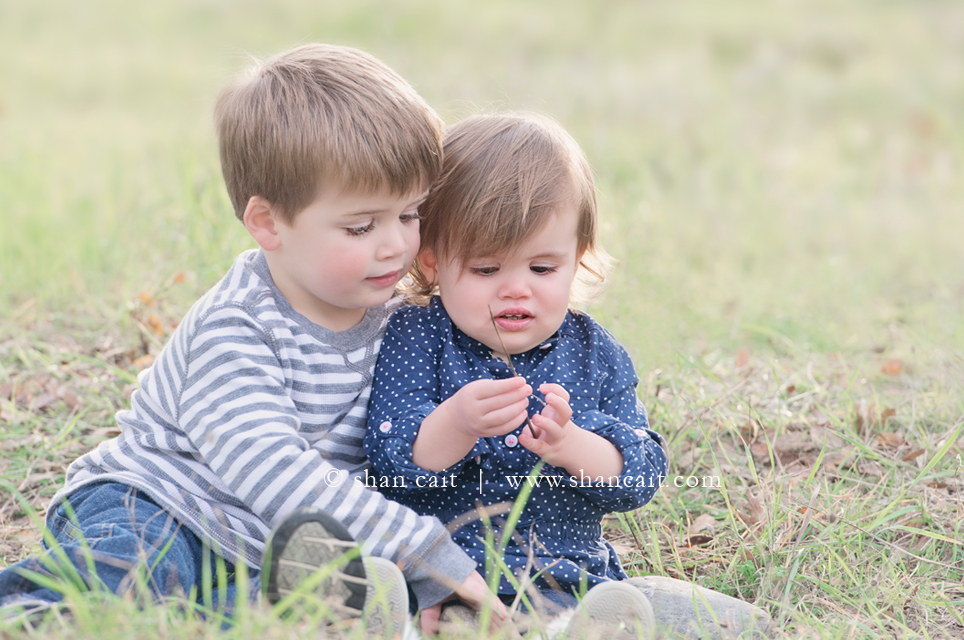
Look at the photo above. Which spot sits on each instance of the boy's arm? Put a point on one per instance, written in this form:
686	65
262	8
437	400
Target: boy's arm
236	408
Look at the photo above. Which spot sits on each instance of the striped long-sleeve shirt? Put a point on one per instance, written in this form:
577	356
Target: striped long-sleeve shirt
251	411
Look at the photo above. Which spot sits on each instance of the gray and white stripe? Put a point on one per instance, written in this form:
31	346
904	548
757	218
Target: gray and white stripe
243	417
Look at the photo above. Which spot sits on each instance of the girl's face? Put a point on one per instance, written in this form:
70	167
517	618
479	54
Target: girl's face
527	290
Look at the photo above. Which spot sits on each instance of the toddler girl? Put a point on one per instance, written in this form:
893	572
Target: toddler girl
508	238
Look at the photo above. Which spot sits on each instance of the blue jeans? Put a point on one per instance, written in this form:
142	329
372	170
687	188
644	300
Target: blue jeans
134	543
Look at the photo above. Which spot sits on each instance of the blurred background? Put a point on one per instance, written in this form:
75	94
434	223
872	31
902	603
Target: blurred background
779	174
780	181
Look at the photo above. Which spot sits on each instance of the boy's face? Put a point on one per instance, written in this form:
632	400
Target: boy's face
528	290
344	253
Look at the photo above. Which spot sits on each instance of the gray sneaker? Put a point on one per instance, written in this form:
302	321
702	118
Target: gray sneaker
614	610
309	553
691	611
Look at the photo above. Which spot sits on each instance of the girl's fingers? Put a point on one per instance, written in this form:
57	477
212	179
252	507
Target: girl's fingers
532	444
514	415
550	387
549	426
494	388
487	404
561	407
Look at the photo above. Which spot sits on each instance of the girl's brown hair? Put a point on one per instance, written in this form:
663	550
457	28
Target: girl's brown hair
503	176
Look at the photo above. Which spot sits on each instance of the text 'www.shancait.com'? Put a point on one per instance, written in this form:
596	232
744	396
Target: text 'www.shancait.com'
442	481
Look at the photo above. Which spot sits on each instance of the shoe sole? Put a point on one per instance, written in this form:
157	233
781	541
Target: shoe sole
305	542
386	605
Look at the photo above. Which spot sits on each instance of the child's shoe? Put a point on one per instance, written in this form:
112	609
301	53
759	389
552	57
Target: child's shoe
311	552
613	610
690	611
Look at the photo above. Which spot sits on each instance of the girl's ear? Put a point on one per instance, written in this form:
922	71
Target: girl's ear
261	222
428	265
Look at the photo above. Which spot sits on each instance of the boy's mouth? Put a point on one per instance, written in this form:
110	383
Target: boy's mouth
389	279
514	319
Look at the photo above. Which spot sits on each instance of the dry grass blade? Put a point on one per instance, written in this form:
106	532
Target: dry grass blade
508	359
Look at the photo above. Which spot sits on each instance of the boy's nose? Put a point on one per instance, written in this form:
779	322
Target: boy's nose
393	242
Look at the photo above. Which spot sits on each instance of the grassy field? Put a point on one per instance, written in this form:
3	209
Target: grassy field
781	182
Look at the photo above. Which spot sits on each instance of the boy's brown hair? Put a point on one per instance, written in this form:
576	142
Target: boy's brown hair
503	176
323	115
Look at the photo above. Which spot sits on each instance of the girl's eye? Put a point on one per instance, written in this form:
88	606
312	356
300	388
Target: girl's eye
484	271
360	231
409	217
542	269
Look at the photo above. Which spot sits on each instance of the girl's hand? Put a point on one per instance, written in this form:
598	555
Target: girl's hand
557	437
562	443
485	408
480	409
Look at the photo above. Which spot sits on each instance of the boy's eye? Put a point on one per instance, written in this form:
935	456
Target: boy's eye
484	271
360	231
542	269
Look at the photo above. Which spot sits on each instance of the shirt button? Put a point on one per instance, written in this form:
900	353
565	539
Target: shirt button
385	427
478	459
511	440
545	345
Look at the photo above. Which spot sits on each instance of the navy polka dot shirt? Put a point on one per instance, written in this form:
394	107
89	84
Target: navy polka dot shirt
425	359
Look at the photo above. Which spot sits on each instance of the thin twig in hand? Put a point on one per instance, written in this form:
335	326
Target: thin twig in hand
508	359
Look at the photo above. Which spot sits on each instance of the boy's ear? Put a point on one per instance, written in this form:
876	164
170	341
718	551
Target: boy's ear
428	264
261	222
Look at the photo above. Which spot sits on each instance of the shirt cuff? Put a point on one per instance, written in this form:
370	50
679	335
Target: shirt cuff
437	571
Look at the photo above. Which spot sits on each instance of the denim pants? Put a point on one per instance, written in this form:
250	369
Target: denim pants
134	543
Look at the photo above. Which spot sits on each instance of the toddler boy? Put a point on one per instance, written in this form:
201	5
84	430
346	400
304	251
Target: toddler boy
253	415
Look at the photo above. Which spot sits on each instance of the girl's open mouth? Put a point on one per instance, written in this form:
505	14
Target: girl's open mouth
514	319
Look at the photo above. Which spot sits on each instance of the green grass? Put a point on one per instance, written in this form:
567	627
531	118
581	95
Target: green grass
778	177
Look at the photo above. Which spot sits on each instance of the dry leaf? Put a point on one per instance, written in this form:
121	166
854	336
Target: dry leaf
866	416
143	362
155	324
758	514
891	440
179	278
742	357
42	401
147	299
105	432
750	430
870	468
701	523
698	539
892	367
760	451
887	414
792	442
913	455
824	437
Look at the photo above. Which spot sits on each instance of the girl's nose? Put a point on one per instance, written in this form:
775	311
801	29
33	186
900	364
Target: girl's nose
514	287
